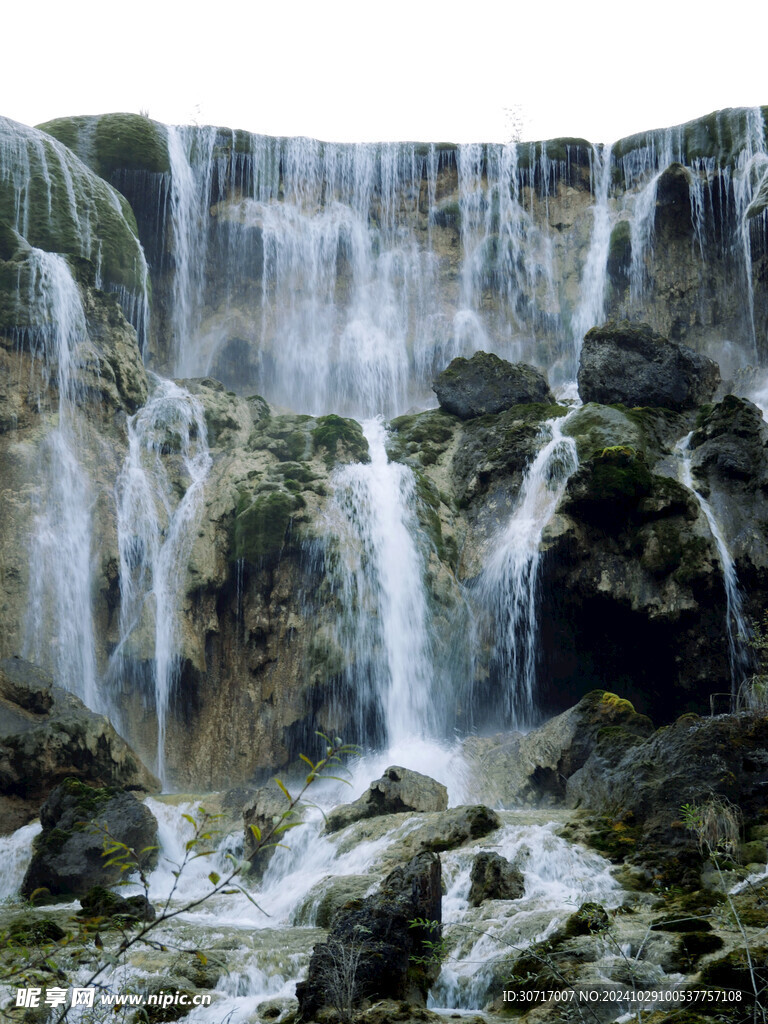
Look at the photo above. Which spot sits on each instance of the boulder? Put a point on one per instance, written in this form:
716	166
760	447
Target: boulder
102	902
457	826
331	894
68	855
487	384
533	769
694	761
47	735
631	365
399	789
367	955
494	878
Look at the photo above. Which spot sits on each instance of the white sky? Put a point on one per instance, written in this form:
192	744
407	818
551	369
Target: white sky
399	69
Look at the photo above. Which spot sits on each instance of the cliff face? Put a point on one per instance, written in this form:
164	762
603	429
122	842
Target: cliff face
223	576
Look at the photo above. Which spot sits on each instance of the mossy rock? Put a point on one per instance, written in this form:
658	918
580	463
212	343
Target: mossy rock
100	902
31	930
342	439
720	135
590	919
595	427
620	255
694	945
562	150
734	970
58	204
420	434
9	242
114	142
260	526
607	490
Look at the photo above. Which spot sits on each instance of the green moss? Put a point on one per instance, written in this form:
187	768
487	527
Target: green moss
260	527
114	142
61	206
339	436
620	254
609	487
562	149
589	919
9	242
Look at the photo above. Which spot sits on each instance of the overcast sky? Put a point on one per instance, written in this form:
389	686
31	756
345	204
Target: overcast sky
359	71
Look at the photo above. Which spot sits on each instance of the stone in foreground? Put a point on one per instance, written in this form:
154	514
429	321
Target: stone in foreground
48	734
370	944
486	385
68	855
629	364
494	878
398	790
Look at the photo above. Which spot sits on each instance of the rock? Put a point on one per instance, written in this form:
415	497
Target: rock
331	894
631	591
632	365
46	735
102	902
32	930
458	826
693	761
26	686
67	858
399	789
486	384
368	952
494	878
68	209
533	769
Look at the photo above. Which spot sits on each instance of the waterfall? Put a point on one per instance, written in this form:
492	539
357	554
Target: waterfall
59	632
590	310
508	586
57	204
735	624
385	616
190	152
167	447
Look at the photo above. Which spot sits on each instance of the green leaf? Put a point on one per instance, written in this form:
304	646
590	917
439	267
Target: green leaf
256	832
285	791
213	877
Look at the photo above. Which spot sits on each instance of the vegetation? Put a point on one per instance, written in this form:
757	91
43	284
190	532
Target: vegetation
40	953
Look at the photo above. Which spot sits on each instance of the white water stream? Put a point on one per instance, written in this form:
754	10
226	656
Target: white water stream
508	585
59	633
155	531
735	624
385	624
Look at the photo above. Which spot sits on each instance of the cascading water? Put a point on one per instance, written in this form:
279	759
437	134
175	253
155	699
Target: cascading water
60	619
385	619
38	174
155	533
508	585
191	197
736	626
591	306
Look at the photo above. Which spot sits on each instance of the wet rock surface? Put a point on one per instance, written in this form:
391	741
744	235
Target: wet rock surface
633	365
399	789
377	932
485	384
46	735
494	878
68	855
